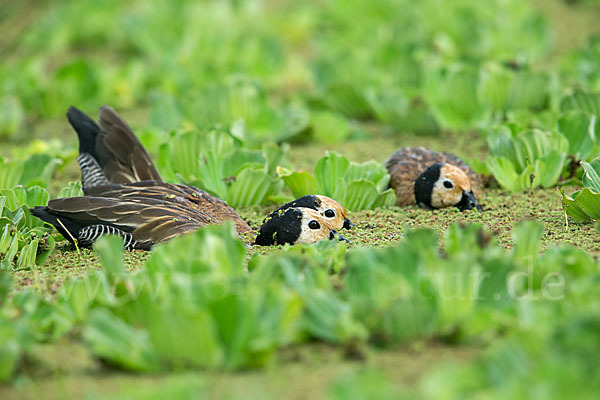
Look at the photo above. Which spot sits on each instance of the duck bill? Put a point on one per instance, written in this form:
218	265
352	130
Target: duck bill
348	224
468	202
334	235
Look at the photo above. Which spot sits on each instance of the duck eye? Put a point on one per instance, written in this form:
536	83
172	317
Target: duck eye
329	213
448	184
314	224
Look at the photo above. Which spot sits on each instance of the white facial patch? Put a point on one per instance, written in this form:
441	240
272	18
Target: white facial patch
448	189
337	221
442	196
310	235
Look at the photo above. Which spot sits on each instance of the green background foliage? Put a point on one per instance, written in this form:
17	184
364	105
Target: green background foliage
259	102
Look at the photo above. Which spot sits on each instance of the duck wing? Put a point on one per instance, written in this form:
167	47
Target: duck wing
142	222
109	152
183	195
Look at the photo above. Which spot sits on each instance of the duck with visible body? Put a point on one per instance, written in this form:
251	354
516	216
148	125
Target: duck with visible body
126	196
124	193
433	180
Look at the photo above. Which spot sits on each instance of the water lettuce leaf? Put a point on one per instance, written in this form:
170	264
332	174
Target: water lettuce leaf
219	163
588	103
299	182
580	130
529	159
584	205
356	186
119	343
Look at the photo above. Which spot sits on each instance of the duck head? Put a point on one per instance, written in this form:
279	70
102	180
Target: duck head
330	209
296	225
445	185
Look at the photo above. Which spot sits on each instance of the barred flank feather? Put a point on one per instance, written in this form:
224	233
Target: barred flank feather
88	235
91	172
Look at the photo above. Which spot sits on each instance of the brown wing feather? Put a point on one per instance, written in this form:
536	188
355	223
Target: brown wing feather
183	195
123	156
407	163
149	220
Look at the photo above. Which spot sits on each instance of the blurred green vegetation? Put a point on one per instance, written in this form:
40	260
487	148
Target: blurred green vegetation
213	62
242	95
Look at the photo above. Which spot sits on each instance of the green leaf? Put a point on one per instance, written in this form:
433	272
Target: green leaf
275	156
224	254
527	239
355	186
548	169
36	196
9	246
12	115
239	159
505	89
9	349
452	95
5	286
20	196
250	187
110	249
530	159
27	255
330	171
394	303
38	170
579	129
584	206
164	111
589	103
185	154
119	343
501	143
365	384
360	195
300	183
329	128
371	170
347	99
591	176
73	189
195	341
211	174
10	174
455	278
385	199
329	318
506	175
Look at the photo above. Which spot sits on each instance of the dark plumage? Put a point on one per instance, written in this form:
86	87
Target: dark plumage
280	228
424	183
142	222
114	164
124	193
109	152
408	163
182	195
